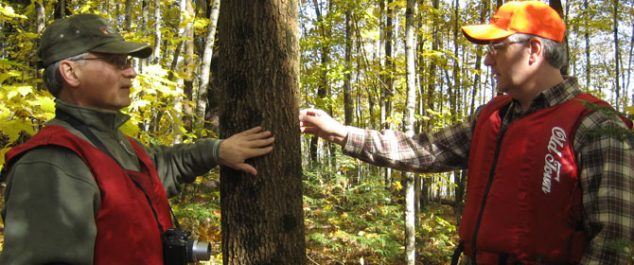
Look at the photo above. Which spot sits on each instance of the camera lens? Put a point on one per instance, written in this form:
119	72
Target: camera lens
198	250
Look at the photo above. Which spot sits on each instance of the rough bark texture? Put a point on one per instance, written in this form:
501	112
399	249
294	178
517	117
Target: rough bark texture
258	67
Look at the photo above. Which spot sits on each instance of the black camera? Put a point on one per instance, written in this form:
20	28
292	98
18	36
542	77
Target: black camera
179	249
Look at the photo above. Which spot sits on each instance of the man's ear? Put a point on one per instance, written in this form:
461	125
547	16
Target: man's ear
536	50
68	71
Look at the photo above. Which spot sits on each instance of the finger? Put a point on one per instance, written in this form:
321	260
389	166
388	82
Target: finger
310	112
262	142
310	130
256	135
255	152
251	131
247	168
261	135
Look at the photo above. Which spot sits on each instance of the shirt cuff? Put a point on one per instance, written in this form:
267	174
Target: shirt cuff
354	141
215	151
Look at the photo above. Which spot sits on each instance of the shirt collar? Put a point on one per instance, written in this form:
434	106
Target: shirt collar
102	120
557	94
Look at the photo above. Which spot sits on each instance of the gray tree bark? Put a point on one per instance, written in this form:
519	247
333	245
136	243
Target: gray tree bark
262	216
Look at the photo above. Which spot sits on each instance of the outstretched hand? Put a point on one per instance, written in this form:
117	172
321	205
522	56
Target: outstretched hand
244	145
319	123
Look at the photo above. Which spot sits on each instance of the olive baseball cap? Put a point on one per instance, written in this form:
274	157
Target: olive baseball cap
530	17
82	33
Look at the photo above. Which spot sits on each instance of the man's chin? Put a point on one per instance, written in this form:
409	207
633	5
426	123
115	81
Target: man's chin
501	89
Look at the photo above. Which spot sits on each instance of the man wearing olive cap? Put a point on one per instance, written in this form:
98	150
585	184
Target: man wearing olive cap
543	186
81	192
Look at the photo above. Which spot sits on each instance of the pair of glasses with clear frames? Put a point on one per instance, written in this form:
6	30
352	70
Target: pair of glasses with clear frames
494	47
120	62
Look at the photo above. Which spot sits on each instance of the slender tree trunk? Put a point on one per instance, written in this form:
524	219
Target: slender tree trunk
347	88
323	90
60	9
200	94
617	54
629	64
40	17
188	58
40	24
557	6
454	89
586	36
145	15
432	84
262	216
387	78
156	53
408	122
128	15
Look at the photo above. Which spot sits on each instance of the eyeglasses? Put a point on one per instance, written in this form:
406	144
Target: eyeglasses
121	62
494	47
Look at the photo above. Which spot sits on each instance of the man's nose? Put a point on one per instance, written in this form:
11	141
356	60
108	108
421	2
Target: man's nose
488	59
129	72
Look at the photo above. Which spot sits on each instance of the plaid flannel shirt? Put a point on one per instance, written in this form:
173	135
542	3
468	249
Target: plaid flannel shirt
605	164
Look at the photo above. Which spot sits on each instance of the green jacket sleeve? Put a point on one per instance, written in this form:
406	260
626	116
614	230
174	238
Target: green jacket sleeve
51	201
182	163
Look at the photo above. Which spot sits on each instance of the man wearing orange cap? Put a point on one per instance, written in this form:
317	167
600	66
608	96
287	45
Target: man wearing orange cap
80	191
544	187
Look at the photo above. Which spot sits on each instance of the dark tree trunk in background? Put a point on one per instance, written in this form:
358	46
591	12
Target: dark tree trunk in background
258	70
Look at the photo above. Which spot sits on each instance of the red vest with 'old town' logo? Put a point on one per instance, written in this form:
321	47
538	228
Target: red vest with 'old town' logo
524	197
127	231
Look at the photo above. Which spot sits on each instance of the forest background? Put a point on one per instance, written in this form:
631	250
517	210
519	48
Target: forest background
353	65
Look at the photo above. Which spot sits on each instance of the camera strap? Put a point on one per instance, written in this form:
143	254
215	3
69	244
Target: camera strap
85	130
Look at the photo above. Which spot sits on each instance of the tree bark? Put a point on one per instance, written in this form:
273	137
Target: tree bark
388	81
156	52
262	216
586	36
188	67
347	87
200	94
617	54
323	90
128	15
408	123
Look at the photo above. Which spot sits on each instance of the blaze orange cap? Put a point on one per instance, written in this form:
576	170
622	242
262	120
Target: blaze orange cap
530	17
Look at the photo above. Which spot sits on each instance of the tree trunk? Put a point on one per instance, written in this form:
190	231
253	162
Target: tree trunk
454	89
128	15
323	89
189	66
617	54
557	6
262	216
408	123
156	52
629	64
40	24
200	94
145	15
387	78
60	9
586	36
347	88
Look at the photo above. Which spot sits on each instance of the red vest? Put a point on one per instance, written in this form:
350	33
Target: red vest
529	188
127	231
